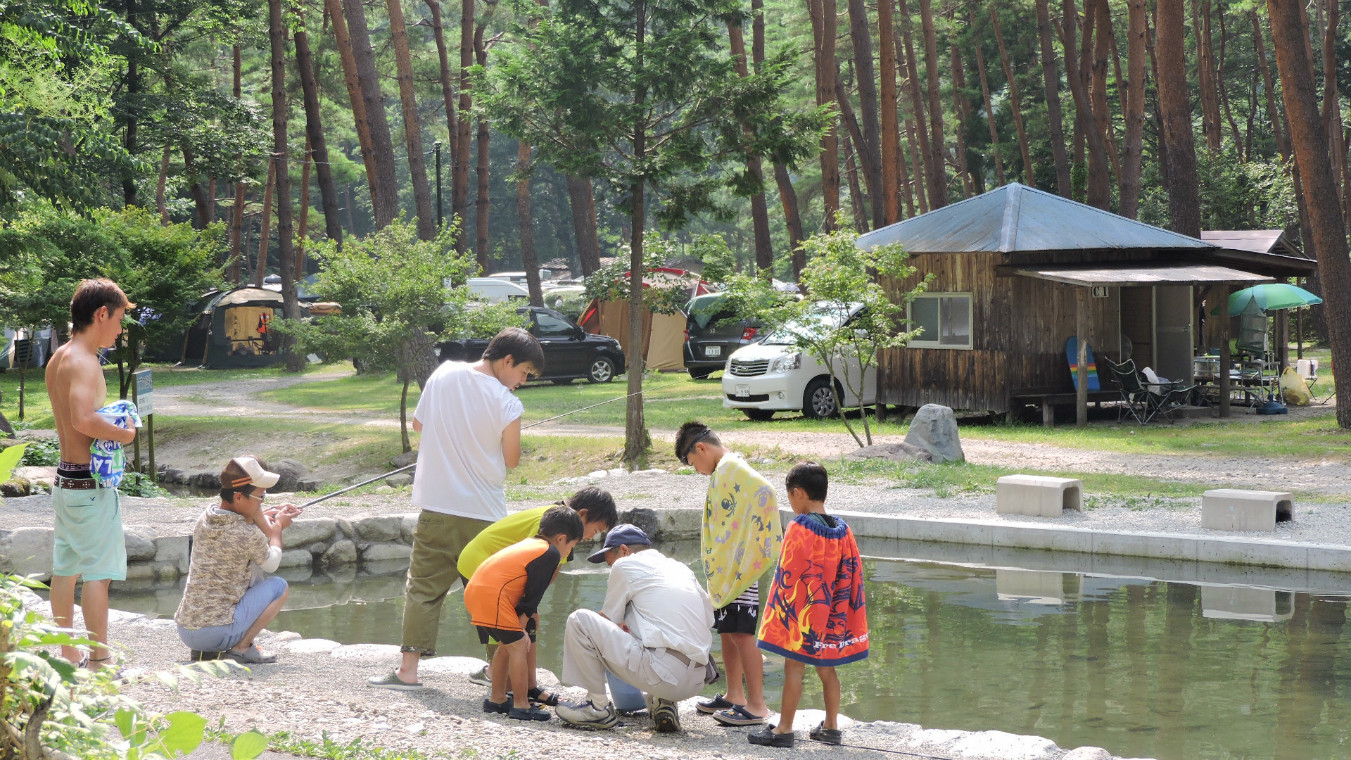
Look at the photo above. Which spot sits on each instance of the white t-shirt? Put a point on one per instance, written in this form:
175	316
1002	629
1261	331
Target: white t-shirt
662	603
460	466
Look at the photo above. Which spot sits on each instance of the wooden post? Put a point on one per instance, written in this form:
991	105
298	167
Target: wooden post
150	433
1226	360
1081	332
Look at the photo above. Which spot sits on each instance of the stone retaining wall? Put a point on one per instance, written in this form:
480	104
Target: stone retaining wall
319	543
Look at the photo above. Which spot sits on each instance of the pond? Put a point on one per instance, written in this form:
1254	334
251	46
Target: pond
1140	666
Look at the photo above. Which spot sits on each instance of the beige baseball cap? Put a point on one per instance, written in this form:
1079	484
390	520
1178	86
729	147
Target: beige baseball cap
247	471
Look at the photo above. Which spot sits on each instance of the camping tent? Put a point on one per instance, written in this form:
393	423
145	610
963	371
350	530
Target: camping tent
663	334
232	330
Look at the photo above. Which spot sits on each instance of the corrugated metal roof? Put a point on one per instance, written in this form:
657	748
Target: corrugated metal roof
1020	218
1187	274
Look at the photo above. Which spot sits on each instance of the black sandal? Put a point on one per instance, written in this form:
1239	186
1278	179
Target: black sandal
541	697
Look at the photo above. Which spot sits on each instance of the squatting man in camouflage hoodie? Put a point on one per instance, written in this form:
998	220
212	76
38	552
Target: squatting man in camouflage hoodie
229	597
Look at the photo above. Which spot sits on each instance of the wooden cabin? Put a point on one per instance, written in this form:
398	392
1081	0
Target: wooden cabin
1018	271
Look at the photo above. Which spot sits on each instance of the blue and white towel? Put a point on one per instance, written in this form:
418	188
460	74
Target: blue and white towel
107	461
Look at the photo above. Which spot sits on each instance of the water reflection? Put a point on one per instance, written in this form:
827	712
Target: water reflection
1142	667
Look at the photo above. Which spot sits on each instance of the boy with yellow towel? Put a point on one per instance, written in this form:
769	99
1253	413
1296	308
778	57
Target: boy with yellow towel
740	539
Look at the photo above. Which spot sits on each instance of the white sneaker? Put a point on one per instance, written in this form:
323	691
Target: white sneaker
587	715
481	678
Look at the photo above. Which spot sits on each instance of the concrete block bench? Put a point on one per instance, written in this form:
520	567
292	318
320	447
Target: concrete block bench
1237	509
1037	495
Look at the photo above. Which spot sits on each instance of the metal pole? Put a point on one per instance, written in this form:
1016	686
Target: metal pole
437	147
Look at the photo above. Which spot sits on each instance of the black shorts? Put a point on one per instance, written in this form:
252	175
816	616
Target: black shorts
503	636
740	616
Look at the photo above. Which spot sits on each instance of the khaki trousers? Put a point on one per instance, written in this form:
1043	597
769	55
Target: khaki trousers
438	540
592	644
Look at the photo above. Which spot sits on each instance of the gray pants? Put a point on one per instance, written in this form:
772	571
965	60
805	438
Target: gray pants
593	644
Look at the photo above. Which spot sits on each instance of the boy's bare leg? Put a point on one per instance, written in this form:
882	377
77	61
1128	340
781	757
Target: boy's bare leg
530	664
63	609
792	695
94	605
731	665
407	670
517	655
497	673
753	668
266	617
830	688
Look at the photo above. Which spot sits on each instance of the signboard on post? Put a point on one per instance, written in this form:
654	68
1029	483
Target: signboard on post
144	394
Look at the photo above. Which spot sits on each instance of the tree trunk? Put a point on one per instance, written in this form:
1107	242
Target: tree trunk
343	43
1276	116
891	128
920	154
1332	110
1050	75
961	108
314	132
854	132
1184	211
764	245
280	106
236	253
1310	143
1205	74
201	203
583	202
1069	32
869	151
1010	76
1000	177
792	218
1132	154
160	183
447	93
857	201
129	116
1102	115
1099	189
385	192
303	228
824	28
1223	92
636	440
265	228
412	123
938	180
481	198
525	224
459	183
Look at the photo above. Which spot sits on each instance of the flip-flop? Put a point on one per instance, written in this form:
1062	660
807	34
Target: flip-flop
710	706
542	697
738	716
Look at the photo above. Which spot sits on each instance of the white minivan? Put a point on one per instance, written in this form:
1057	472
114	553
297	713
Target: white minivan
772	375
495	290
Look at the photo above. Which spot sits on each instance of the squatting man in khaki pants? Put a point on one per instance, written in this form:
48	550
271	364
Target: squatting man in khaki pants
654	632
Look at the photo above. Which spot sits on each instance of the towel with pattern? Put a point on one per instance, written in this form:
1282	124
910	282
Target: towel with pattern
815	611
741	533
107	460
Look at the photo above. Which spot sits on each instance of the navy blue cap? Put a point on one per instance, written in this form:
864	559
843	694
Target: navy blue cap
624	534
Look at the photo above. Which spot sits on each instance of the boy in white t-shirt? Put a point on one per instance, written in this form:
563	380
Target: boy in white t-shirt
471	435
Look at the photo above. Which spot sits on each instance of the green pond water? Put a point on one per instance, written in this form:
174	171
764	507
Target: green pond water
1144	668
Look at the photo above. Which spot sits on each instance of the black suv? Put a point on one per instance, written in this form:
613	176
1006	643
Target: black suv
569	351
712	333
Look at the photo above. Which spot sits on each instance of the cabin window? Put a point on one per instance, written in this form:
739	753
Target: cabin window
945	319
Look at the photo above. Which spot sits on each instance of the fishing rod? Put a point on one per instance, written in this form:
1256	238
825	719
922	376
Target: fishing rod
411	466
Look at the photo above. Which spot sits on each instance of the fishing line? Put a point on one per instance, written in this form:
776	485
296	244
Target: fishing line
523	427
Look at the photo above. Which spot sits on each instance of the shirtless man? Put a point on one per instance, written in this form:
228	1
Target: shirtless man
88	535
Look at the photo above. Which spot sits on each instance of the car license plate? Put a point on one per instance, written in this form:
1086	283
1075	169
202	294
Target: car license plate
743	390
712	350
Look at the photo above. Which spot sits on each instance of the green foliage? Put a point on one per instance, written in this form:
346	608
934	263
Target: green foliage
81	713
329	749
1234	194
396	297
665	293
10	457
42	452
139	484
44	253
847	313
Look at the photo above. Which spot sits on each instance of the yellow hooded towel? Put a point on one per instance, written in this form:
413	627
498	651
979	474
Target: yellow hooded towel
741	535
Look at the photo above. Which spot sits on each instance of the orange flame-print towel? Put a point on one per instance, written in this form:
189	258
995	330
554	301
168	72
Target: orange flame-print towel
815	612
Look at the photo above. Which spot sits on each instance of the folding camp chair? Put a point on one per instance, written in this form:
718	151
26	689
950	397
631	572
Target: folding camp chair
1137	400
